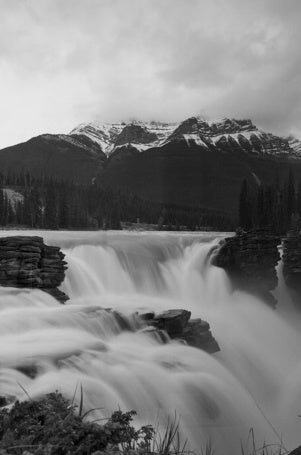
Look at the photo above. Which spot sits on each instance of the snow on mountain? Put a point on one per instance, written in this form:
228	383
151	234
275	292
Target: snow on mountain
101	133
112	135
230	135
81	141
295	144
224	134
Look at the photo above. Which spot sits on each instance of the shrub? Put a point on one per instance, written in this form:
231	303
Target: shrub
50	426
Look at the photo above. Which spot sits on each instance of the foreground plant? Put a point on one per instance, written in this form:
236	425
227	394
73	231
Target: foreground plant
252	447
53	426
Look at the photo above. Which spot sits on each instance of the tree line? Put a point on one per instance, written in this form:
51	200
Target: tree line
275	206
55	204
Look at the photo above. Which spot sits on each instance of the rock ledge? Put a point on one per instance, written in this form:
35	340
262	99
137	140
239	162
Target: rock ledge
26	262
250	259
292	264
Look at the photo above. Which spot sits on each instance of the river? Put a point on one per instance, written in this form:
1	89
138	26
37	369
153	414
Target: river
252	383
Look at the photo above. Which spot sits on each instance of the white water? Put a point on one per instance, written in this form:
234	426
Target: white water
254	379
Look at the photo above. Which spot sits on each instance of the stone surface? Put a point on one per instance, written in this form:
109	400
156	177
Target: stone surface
172	321
178	326
296	451
250	259
136	134
292	264
197	333
25	261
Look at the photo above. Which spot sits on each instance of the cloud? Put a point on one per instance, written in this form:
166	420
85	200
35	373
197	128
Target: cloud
63	62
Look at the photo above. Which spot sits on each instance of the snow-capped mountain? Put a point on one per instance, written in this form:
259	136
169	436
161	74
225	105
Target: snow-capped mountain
295	144
195	162
112	135
226	135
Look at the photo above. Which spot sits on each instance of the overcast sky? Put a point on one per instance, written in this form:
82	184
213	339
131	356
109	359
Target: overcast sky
63	62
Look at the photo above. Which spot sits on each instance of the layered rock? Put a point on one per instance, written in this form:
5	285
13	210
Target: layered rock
178	325
26	261
292	263
111	135
295	144
250	259
136	134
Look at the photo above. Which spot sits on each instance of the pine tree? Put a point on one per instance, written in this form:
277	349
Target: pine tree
63	210
2	214
290	199
260	215
245	206
298	205
50	209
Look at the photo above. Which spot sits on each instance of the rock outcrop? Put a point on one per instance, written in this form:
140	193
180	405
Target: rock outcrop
25	261
136	134
292	264
178	325
296	451
250	259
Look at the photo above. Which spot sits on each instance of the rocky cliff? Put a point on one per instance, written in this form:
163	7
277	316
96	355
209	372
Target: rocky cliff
250	259
26	262
292	264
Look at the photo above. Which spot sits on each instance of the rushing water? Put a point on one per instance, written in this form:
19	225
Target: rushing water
254	382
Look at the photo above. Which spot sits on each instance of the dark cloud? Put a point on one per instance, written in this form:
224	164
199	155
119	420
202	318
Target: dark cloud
67	61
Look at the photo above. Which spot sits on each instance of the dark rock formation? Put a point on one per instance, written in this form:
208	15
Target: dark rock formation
172	321
3	401
135	133
27	262
178	325
296	451
250	259
292	264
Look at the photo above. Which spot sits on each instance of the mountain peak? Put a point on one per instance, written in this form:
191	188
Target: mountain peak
226	134
112	135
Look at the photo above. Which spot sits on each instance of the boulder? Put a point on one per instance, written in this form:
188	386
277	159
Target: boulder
172	321
197	333
250	259
25	261
178	326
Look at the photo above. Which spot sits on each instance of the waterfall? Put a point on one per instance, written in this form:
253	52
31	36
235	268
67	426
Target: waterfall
254	382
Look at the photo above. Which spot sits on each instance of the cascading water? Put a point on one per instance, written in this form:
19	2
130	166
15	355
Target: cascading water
254	382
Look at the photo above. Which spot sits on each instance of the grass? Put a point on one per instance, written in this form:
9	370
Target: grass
53	425
170	441
252	448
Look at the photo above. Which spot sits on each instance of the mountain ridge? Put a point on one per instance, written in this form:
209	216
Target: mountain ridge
223	134
192	163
